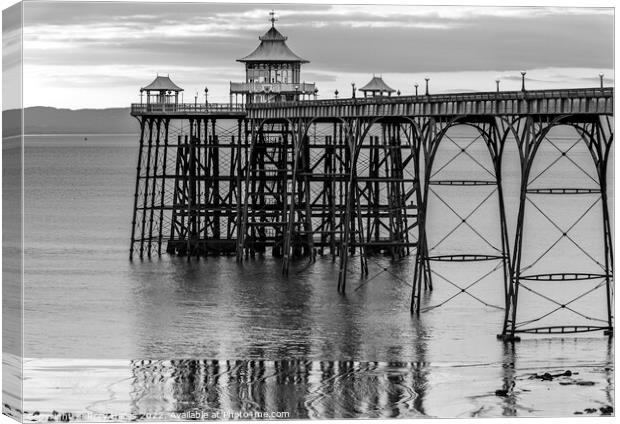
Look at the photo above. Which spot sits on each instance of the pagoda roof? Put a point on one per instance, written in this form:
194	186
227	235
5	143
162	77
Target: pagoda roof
377	84
273	35
272	48
161	83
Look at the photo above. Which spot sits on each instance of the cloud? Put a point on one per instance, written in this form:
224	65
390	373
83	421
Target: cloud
11	57
87	44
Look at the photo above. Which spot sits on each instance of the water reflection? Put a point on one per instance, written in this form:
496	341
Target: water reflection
507	392
609	372
289	332
217	309
305	389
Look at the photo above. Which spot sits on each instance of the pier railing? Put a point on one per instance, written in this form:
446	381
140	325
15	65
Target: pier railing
474	96
570	101
186	108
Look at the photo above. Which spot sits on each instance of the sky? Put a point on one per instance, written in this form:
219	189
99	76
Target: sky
97	55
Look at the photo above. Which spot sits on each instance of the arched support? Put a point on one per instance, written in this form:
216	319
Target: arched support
432	134
421	147
599	143
530	134
355	132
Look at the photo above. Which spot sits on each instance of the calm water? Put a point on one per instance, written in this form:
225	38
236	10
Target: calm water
165	336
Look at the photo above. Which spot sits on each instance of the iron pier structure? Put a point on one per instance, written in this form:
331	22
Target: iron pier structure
354	177
277	171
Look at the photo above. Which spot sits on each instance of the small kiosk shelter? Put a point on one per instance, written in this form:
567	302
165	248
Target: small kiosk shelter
162	90
377	87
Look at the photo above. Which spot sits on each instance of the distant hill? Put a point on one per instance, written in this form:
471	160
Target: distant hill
49	120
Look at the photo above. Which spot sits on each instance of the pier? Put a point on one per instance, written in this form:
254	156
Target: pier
283	173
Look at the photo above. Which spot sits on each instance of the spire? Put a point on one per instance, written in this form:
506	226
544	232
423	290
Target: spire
273	18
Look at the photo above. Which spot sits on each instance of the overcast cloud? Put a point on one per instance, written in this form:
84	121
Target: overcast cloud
99	54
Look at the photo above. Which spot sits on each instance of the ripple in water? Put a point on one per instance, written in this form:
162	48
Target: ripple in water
303	389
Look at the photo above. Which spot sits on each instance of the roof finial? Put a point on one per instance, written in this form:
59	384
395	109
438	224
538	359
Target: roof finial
273	18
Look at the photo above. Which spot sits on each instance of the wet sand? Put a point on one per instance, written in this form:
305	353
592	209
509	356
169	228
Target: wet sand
171	390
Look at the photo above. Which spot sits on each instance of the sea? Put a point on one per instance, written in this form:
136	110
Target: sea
106	338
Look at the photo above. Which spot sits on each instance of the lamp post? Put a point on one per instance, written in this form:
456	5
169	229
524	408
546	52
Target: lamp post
398	93
206	96
601	75
523	80
426	79
497	84
336	94
316	93
416	89
141	93
196	99
353	89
